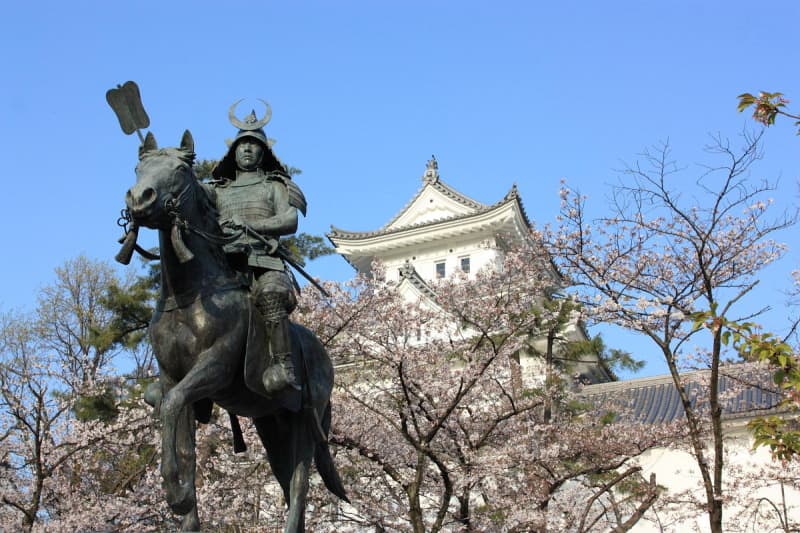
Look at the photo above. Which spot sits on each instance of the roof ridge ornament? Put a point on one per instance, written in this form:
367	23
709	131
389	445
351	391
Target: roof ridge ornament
431	171
407	270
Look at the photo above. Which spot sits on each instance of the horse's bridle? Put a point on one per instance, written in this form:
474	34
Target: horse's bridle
173	206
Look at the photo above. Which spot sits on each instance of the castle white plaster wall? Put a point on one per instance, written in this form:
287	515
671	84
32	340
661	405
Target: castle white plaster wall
481	253
748	481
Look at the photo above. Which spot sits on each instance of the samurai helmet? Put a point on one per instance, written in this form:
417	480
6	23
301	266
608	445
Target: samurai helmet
251	127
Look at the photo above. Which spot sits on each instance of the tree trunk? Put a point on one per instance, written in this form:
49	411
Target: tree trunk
463	510
715	505
414	509
548	377
412	490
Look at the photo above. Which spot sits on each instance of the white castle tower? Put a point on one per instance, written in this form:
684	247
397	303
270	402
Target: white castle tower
441	230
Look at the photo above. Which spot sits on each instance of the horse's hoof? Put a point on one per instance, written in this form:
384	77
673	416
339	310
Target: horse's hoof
182	508
184	504
190	522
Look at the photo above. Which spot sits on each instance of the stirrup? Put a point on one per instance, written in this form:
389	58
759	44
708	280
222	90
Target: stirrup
280	375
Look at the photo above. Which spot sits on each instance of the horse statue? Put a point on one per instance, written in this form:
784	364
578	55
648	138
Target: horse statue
205	337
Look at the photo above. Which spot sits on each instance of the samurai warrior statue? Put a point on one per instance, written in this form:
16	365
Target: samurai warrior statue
258	201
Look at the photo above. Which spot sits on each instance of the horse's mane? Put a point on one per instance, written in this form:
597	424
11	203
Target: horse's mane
184	155
206	201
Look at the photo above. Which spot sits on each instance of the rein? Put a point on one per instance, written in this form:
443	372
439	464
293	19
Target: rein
178	222
173	207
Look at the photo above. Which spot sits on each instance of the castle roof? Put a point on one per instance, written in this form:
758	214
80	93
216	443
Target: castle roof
409	274
436	213
747	391
482	211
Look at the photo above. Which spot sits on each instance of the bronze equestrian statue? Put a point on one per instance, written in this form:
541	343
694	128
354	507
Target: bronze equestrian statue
220	330
258	203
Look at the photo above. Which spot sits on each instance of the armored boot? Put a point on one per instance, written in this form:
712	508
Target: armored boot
281	372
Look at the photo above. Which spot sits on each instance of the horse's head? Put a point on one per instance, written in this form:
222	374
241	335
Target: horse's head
164	182
168	197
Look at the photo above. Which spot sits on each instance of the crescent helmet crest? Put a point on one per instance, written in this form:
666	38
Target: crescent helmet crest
251	122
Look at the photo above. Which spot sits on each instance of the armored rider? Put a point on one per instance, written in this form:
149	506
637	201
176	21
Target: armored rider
258	201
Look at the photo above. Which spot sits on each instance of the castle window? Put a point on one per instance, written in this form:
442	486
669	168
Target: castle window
465	265
440	272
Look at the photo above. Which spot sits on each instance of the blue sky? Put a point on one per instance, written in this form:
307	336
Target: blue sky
364	92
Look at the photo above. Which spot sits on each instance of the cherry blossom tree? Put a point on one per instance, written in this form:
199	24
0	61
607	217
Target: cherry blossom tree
433	429
773	508
666	252
58	389
44	447
115	484
73	324
430	430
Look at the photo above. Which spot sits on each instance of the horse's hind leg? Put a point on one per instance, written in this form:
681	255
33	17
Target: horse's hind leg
276	438
304	446
290	448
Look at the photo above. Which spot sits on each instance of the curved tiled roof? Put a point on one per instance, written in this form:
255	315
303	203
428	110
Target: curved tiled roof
445	190
746	390
511	196
408	272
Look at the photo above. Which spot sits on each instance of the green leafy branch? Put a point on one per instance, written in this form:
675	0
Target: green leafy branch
781	435
767	107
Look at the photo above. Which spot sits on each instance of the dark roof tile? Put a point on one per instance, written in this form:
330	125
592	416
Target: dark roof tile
746	390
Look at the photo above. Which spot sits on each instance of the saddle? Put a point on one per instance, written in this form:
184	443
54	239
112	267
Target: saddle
254	365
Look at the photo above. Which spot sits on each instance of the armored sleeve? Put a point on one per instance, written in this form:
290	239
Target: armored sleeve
296	197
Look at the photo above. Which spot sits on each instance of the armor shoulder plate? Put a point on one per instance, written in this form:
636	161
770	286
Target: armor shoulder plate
296	197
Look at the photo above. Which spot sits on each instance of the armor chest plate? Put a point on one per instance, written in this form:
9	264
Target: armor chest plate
251	201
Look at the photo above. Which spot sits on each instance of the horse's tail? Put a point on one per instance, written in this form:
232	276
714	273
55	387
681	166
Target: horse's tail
324	461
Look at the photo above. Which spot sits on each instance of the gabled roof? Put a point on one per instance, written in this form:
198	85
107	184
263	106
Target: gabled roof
475	211
505	218
436	217
450	202
746	389
409	274
435	205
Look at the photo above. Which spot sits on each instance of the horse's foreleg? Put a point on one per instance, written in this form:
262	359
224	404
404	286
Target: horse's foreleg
178	460
169	428
185	447
191	521
304	445
177	439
